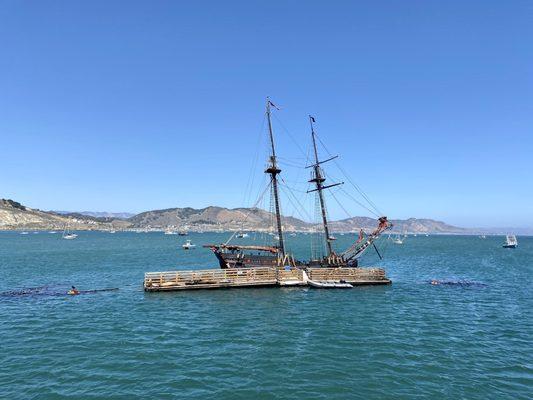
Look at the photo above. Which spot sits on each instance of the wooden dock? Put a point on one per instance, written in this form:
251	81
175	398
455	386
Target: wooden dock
258	277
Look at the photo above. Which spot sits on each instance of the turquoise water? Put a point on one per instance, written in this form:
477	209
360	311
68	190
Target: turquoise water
408	340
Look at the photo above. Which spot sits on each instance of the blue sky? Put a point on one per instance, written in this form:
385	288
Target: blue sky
130	106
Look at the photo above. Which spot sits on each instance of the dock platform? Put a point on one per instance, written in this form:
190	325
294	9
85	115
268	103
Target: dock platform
258	277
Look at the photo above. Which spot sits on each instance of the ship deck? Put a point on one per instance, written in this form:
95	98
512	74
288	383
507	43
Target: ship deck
257	277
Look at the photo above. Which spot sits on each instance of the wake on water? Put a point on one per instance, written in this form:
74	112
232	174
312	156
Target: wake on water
48	290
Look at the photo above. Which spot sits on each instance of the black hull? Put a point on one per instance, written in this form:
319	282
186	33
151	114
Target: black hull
242	260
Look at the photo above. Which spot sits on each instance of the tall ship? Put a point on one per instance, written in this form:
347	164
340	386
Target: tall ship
276	254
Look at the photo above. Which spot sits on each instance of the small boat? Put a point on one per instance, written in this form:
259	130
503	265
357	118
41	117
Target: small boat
75	292
188	245
112	231
170	232
332	238
67	234
183	233
397	240
52	232
24	233
329	284
241	235
510	242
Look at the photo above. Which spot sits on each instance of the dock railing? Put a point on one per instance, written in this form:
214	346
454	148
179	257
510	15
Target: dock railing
290	277
264	276
207	278
357	276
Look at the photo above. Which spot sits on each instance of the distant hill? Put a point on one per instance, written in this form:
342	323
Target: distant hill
257	219
212	218
14	215
97	214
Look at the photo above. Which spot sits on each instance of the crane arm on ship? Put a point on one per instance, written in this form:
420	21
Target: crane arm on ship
359	247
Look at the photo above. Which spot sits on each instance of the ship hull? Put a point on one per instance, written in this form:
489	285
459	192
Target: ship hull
242	260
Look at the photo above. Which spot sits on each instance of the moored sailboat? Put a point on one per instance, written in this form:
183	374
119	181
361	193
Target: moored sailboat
67	234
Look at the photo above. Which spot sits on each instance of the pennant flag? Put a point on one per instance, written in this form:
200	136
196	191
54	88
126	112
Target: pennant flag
312	119
273	105
361	235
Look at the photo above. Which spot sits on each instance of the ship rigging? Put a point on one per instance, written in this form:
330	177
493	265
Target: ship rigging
276	255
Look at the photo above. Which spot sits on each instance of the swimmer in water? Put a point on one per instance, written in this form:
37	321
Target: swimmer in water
73	291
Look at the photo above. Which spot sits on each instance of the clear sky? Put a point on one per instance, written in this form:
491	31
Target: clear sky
138	105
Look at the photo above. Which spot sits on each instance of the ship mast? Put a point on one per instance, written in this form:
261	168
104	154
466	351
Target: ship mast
274	170
318	180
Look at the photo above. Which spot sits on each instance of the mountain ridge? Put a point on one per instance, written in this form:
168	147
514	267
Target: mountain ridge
14	215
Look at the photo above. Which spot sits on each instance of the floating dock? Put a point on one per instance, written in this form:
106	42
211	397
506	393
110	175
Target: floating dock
258	277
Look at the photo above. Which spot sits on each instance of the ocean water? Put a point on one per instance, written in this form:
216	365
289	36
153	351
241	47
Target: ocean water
472	340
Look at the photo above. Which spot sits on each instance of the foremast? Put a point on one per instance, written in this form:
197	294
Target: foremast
318	179
274	170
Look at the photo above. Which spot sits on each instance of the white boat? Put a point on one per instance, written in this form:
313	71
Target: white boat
242	235
24	233
397	240
112	231
52	232
329	284
188	245
67	234
170	232
510	242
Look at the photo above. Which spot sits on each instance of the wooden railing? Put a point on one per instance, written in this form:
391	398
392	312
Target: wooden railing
347	274
289	275
209	277
243	277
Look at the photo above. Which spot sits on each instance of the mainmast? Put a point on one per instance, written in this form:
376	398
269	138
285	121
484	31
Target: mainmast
318	180
273	170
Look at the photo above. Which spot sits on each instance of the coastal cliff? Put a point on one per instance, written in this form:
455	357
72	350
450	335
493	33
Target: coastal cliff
14	215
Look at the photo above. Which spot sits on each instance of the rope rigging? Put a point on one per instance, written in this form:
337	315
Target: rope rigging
356	187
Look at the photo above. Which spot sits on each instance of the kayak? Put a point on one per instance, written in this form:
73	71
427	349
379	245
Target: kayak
75	292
